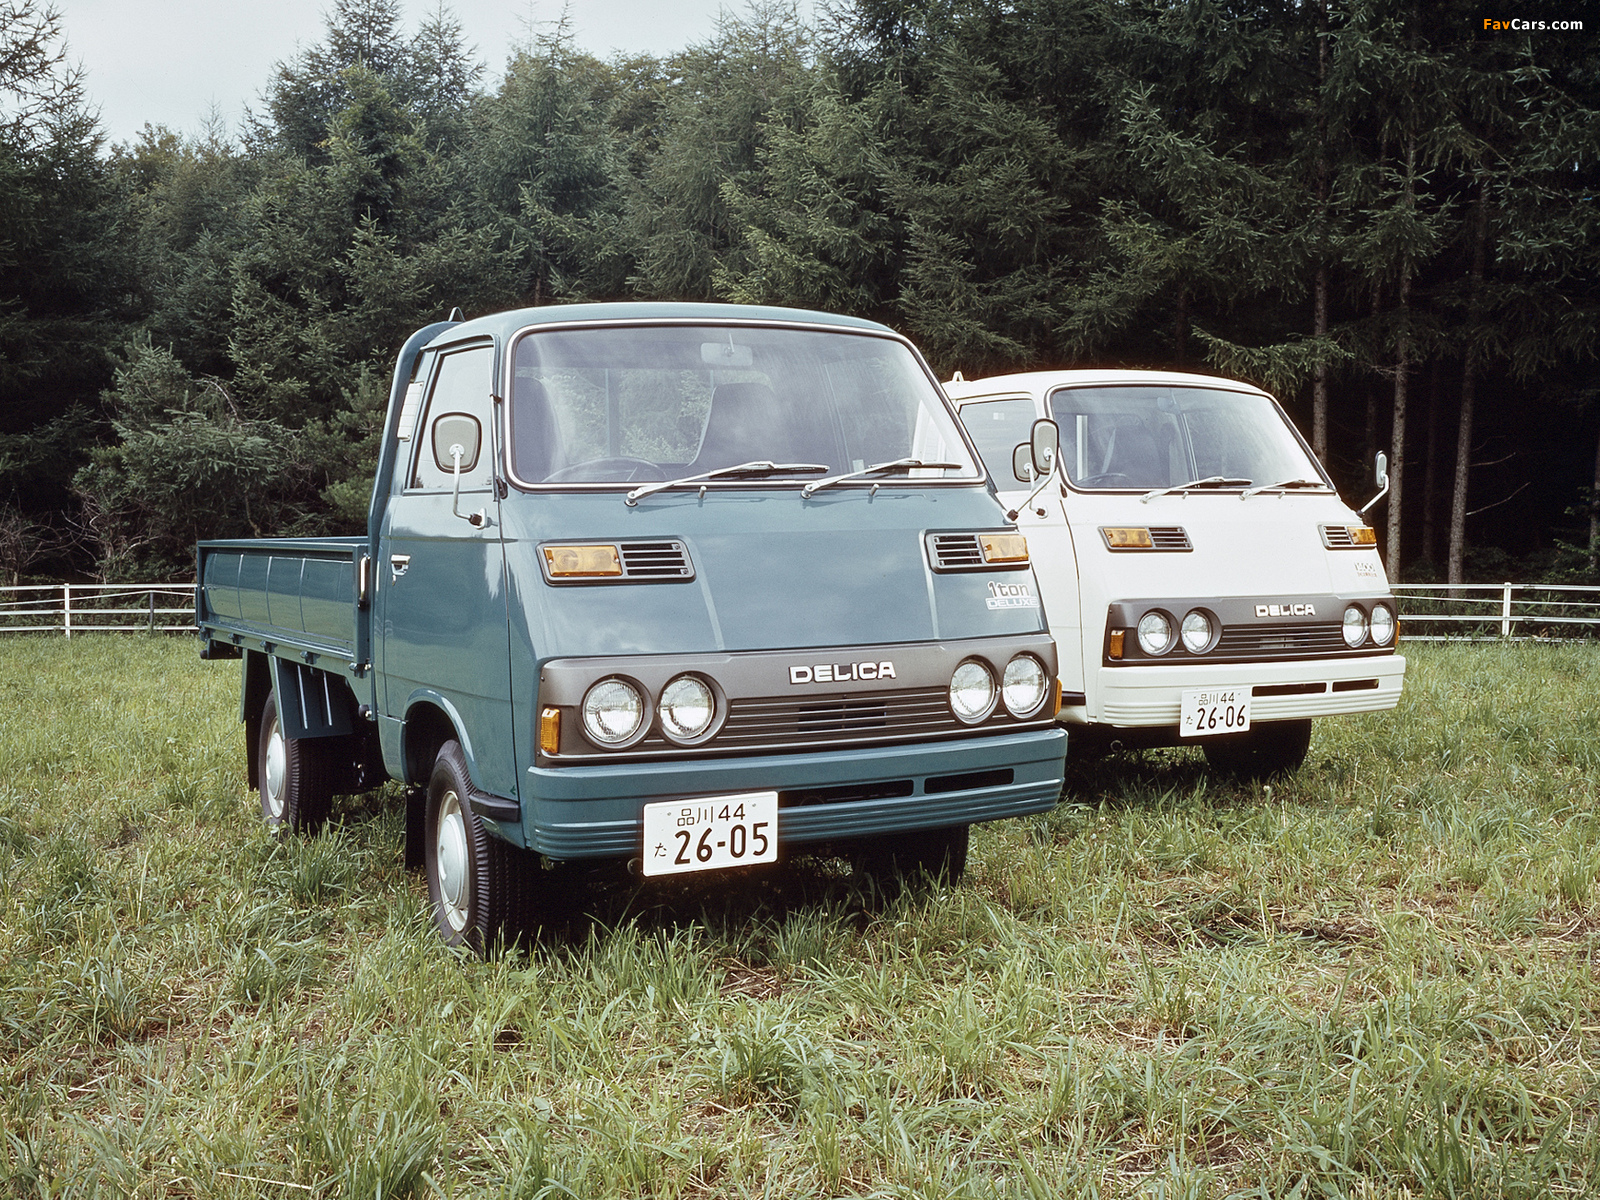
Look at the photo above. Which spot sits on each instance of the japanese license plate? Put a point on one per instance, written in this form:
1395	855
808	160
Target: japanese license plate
710	833
1206	711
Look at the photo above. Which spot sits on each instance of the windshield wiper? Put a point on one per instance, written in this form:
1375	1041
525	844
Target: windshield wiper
1284	486
760	467
883	468
1194	485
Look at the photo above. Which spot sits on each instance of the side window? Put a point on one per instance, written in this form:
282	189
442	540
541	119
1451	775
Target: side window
996	426
458	401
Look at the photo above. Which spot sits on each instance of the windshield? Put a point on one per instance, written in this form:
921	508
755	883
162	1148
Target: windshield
1160	437
641	404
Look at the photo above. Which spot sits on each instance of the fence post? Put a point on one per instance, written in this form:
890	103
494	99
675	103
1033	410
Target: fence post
1505	611
66	609
151	627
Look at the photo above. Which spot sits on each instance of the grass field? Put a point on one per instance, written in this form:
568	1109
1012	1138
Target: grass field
1377	978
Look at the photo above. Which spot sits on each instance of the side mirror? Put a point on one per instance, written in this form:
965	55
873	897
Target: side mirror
456	437
1045	446
1380	476
1022	462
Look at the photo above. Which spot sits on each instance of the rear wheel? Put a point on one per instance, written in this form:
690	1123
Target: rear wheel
481	888
296	775
1272	748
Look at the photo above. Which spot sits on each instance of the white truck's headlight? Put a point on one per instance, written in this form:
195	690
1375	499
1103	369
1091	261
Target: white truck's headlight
1355	626
972	692
1382	624
1196	632
613	712
1024	685
686	708
1155	633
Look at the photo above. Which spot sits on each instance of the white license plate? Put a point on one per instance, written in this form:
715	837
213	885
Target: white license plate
1204	712
711	832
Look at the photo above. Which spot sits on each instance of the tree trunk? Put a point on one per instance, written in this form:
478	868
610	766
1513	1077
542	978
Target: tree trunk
1319	315
1594	514
1430	481
1402	366
1469	386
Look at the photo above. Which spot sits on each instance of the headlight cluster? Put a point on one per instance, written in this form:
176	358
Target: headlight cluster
1023	689
616	714
1197	631
1358	626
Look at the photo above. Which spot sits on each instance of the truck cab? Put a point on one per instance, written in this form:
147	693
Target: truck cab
688	585
1204	581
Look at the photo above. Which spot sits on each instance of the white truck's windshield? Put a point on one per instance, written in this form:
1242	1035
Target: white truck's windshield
642	404
1166	437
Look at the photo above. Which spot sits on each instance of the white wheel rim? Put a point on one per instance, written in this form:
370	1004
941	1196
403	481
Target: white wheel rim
277	768
451	858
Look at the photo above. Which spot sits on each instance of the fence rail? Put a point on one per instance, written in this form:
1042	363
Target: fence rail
1472	612
70	608
1443	612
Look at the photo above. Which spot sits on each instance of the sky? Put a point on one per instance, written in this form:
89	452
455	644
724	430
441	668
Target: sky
173	62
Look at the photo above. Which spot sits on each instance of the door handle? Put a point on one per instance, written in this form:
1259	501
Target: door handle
398	565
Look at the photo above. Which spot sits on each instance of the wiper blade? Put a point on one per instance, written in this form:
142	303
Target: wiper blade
1286	485
1195	485
759	467
883	468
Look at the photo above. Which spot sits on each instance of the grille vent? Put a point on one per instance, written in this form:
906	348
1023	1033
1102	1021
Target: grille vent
956	552
1170	537
655	560
1337	537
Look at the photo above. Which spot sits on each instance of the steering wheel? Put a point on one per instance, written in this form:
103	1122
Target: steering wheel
1110	479
620	468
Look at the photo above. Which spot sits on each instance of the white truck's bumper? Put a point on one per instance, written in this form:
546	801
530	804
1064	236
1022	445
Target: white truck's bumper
1149	696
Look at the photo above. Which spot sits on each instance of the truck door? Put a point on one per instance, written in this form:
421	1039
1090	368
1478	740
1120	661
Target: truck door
441	594
997	426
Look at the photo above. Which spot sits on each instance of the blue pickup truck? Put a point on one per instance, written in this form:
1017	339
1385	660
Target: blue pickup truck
688	585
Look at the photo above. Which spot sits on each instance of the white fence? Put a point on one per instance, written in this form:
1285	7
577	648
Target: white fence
1429	612
71	608
1471	612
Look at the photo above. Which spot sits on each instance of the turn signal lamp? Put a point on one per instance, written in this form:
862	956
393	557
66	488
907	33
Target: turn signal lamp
1004	547
1363	535
549	730
1115	649
1120	538
568	562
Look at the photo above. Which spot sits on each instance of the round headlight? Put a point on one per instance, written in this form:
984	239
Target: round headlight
1382	624
1024	685
1155	633
613	711
972	692
686	708
1355	627
1196	632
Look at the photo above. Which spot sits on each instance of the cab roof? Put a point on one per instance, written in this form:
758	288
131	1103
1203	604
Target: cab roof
1038	382
502	325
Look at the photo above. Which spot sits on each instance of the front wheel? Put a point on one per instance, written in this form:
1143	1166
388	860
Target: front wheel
296	774
481	888
1265	750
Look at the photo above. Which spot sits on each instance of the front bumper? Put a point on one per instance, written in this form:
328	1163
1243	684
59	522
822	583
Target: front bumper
595	811
1140	696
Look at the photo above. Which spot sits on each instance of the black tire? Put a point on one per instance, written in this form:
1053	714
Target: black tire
297	776
915	858
1272	748
482	889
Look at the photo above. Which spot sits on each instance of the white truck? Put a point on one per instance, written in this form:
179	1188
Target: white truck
1203	580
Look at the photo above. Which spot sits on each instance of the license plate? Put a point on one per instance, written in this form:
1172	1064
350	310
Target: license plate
1207	711
710	833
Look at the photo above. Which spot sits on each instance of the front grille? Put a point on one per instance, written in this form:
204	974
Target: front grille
1170	537
655	560
1281	641
956	551
765	722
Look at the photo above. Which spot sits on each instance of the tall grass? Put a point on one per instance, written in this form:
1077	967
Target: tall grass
1375	978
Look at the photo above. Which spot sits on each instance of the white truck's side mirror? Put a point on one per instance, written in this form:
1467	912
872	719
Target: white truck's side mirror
1037	456
1380	475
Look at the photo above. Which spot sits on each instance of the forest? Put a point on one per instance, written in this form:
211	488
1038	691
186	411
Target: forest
1383	212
